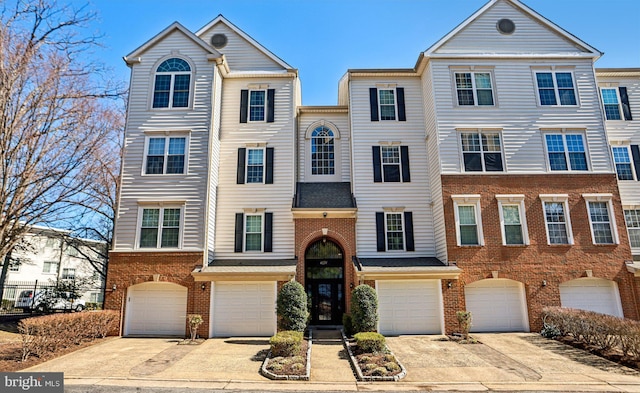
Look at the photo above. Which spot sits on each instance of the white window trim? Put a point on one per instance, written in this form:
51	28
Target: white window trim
630	155
265	91
161	206
55	271
264	164
468	200
395	101
244	232
513	200
607	198
634	250
399	164
481	131
62	273
553	72
473	71
167	135
564	199
154	72
564	132
337	162
620	110
400	212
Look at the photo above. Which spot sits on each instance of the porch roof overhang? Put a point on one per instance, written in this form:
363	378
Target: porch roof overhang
247	270
323	213
634	266
404	269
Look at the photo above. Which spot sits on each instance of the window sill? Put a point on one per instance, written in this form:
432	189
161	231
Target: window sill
515	245
471	245
163	174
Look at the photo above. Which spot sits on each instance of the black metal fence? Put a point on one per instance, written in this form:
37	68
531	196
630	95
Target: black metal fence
27	297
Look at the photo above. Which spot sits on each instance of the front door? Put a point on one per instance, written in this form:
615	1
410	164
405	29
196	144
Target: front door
324	280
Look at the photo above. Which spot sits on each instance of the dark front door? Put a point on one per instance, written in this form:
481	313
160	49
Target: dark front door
325	283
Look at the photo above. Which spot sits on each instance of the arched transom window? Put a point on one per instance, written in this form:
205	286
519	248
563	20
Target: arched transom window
322	152
171	88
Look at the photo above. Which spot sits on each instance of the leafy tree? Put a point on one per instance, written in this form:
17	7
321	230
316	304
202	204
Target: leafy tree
292	307
57	116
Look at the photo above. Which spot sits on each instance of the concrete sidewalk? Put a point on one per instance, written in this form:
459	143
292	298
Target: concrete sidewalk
504	362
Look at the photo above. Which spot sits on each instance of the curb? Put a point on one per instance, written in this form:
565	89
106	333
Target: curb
371	378
279	377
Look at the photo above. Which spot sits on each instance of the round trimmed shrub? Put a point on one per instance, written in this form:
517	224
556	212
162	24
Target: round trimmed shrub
364	309
292	307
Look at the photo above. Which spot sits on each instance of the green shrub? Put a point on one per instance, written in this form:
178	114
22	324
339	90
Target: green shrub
292	307
379	371
370	341
286	343
392	367
347	324
297	367
369	367
364	309
275	367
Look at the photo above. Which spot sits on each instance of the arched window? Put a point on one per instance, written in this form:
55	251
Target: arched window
322	152
171	88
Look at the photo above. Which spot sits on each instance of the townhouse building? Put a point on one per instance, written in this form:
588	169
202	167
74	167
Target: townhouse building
479	179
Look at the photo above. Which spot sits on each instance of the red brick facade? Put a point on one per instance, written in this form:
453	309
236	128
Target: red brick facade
537	261
341	231
130	268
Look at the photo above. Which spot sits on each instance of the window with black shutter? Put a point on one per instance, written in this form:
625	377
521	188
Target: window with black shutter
257	105
387	104
391	164
481	151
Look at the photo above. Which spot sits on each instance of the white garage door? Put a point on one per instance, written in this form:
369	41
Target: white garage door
156	309
244	309
410	307
497	305
592	294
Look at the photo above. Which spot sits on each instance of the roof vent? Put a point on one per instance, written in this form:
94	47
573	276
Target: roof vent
219	41
506	26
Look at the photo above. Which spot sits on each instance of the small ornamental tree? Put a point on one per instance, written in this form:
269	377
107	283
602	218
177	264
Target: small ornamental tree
292	307
364	309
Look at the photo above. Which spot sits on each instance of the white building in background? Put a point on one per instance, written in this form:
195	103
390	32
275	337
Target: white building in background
49	257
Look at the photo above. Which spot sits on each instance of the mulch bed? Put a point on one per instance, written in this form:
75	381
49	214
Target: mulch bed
290	365
376	364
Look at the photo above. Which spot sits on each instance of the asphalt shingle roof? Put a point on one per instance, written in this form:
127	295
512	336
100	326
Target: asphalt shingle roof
324	196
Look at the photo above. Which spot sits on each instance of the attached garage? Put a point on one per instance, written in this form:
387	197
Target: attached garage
592	294
243	308
410	307
497	305
156	309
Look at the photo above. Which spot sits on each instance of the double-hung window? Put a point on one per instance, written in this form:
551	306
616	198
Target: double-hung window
474	88
556	88
165	155
556	218
50	267
391	164
68	274
513	220
257	105
468	220
172	83
601	218
394	230
566	152
481	151
616	103
622	159
387	103
160	227
254	231
632	218
255	165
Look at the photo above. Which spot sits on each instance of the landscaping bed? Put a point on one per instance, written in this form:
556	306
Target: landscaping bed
294	367
374	365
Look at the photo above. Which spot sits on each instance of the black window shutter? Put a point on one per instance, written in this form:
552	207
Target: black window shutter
404	158
373	102
635	153
268	177
624	98
239	232
271	95
244	105
408	231
242	152
377	165
268	232
402	116
380	231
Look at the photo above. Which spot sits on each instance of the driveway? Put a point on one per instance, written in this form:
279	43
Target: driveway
511	361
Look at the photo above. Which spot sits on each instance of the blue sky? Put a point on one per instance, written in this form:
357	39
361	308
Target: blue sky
325	38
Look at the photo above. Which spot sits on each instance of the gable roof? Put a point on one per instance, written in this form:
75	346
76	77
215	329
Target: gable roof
247	37
132	57
530	12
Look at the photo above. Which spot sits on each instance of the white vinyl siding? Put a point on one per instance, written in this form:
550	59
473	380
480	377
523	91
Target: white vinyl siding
373	196
142	121
214	164
233	197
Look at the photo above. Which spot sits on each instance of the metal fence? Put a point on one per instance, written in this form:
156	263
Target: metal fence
21	297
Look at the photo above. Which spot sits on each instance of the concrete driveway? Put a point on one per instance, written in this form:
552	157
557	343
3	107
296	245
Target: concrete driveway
512	362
